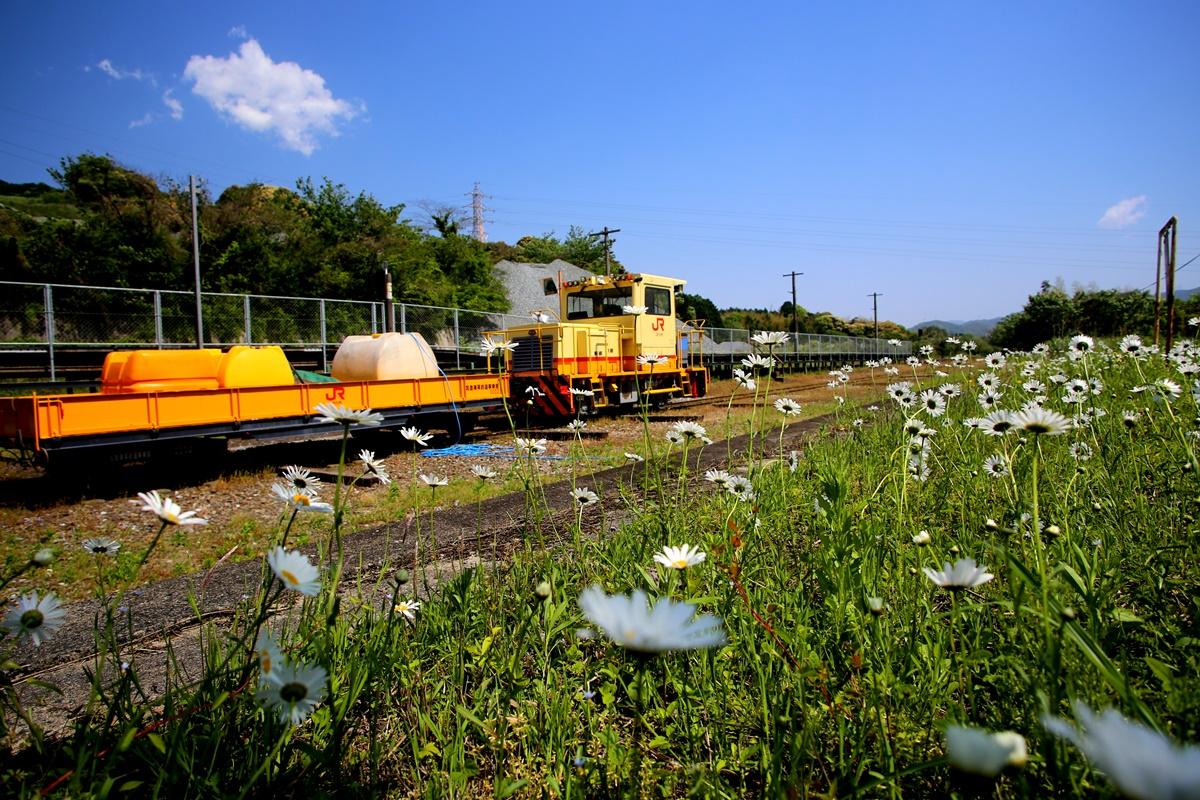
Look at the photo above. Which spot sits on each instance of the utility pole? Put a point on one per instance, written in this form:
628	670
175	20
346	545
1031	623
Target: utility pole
875	314
1165	262
196	262
605	232
477	212
389	310
795	325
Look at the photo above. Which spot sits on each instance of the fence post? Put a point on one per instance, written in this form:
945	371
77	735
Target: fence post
246	318
324	353
403	318
48	303
158	330
457	343
373	328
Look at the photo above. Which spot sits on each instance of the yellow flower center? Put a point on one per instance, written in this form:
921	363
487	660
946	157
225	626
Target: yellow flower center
679	563
301	499
288	576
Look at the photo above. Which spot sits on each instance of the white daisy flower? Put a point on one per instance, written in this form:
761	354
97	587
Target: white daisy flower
293	692
787	406
433	481
341	415
374	466
679	557
482	472
1167	388
414	434
997	423
718	476
490	346
651	360
1080	451
995	360
982	752
583	392
1141	762
531	447
294	570
933	402
268	655
769	338
691	430
36	617
1041	420
633	624
674	437
755	361
300	500
922	538
989	399
1081	344
950	390
1131	345
407	608
995	466
102	546
633	457
741	488
965	574
633	310
988	381
301	479
1034	386
584	496
576	425
168	510
744	380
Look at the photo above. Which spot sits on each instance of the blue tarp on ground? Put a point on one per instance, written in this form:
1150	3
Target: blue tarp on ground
480	451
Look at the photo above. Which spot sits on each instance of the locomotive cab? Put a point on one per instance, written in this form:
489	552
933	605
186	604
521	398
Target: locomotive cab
617	344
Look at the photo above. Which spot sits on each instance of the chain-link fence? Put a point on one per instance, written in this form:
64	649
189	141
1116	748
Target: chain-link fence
44	316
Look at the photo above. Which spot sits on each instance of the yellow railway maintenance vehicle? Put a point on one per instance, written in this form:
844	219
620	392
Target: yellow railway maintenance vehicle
617	344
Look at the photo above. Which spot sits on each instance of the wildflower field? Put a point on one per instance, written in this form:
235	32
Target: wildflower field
984	583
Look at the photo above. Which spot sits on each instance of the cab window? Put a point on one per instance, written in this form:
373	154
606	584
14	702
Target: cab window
658	301
607	302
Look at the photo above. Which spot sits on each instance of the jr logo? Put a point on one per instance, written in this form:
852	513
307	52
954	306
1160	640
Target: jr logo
336	393
658	325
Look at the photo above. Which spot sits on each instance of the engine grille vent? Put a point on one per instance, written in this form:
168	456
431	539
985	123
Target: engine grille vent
533	353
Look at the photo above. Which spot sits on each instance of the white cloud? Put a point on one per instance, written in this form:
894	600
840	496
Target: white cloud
146	119
267	96
238	32
174	106
113	71
1124	213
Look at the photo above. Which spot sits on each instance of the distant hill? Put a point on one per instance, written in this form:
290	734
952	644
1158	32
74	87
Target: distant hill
975	327
1184	294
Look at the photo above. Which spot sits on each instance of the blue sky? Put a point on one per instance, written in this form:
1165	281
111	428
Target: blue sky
950	156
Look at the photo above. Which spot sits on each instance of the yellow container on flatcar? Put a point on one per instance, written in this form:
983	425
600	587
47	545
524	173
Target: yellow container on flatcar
167	371
110	375
245	366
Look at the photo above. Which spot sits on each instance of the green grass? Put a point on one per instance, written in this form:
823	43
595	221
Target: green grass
37	207
844	662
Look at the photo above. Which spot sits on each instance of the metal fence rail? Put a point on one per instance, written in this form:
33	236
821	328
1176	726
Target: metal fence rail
45	316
